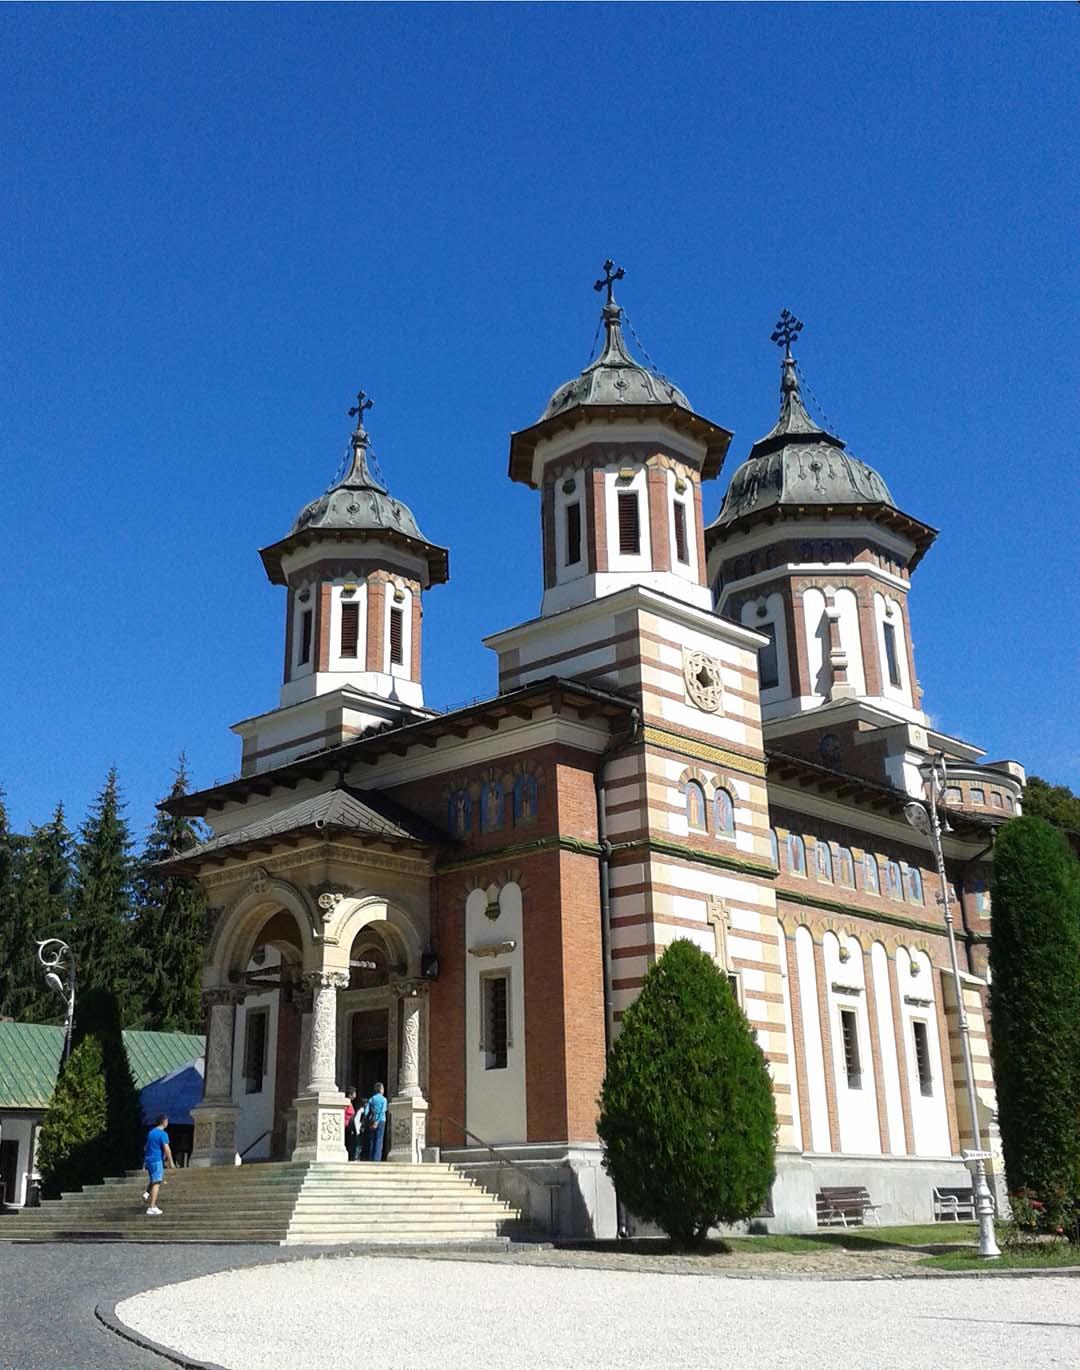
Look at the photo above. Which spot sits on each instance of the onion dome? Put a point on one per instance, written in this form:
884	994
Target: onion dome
616	385
799	465
359	506
615	377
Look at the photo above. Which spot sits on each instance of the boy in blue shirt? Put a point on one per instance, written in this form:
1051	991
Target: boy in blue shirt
155	1158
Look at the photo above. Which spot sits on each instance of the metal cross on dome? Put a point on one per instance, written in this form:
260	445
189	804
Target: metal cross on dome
787	329
362	405
612	273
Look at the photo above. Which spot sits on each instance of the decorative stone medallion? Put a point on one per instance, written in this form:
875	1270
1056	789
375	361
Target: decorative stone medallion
701	674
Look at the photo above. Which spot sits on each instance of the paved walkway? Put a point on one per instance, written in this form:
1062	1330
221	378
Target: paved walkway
486	1315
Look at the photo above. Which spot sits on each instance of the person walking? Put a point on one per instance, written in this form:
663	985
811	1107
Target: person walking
375	1124
156	1157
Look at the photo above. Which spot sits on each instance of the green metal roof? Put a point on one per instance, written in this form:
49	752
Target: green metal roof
29	1060
154	1054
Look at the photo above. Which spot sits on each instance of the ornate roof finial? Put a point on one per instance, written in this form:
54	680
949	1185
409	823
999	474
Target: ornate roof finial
362	405
612	273
788	327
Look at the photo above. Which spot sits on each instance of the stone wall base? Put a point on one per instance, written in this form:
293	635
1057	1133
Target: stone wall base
568	1193
215	1134
320	1127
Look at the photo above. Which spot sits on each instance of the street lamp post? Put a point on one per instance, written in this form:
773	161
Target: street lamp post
56	958
926	819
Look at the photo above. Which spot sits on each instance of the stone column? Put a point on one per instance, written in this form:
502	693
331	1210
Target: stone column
302	999
320	1105
408	1107
215	1118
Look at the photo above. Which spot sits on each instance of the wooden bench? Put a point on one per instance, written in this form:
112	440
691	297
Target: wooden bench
848	1206
953	1203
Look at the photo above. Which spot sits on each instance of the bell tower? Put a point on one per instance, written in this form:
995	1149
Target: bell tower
811	550
618	457
354	566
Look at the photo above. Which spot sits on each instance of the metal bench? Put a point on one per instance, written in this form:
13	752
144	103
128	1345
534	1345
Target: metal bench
846	1206
953	1203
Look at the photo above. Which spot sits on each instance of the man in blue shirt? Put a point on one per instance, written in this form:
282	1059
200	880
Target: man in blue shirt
155	1158
375	1124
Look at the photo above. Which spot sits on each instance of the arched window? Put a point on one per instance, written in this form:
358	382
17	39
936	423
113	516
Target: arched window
893	885
796	854
525	799
491	807
459	819
774	847
870	874
845	865
695	806
724	814
913	887
824	861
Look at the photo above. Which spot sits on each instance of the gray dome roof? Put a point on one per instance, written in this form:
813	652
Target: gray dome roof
798	462
359	501
615	377
361	506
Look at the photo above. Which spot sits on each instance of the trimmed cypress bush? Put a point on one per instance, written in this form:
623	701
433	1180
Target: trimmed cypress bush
686	1110
93	1126
1035	1012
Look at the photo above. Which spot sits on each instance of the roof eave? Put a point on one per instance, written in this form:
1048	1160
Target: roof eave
437	558
423	732
921	534
524	442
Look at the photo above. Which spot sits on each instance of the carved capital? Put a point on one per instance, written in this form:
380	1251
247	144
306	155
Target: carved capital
214	998
326	979
411	989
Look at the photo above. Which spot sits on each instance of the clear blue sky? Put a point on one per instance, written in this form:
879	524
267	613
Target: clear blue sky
218	222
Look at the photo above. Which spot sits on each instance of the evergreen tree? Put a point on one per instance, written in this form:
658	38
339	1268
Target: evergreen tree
102	915
1057	804
41	910
1035	1010
170	923
686	1110
93	1126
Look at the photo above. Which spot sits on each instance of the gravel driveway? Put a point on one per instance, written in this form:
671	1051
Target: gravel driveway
477	1315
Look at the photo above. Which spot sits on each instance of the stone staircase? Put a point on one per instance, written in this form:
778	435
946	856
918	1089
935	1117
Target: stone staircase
284	1203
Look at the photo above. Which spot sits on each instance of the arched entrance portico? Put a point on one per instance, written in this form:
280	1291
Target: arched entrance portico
332	983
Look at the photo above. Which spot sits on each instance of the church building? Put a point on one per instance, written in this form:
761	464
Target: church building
710	731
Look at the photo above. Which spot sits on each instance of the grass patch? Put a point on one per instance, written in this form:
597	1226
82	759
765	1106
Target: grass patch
1039	1258
861	1238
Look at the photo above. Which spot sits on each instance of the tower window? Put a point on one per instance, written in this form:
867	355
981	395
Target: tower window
305	637
892	660
573	534
397	637
629	524
682	550
849	1028
922	1057
350	628
768	661
495	1021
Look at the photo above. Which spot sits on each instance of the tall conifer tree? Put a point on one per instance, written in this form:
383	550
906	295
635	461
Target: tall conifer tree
171	912
1035	1011
39	908
102	914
